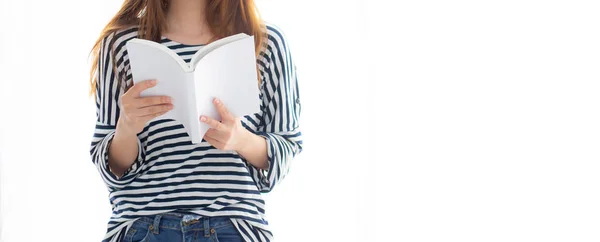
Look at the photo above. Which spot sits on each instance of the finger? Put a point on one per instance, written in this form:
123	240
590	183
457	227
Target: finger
163	108
151	116
214	143
225	114
212	123
136	89
154	100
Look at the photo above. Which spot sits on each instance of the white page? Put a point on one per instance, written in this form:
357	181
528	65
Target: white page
149	61
228	73
214	45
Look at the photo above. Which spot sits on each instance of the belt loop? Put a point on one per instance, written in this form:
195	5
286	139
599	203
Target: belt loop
206	227
156	225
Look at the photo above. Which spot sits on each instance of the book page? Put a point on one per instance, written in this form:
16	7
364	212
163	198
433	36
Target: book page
214	45
228	73
150	61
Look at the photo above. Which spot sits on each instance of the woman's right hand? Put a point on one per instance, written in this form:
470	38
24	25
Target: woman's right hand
136	111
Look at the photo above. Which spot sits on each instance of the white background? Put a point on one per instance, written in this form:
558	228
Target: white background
423	121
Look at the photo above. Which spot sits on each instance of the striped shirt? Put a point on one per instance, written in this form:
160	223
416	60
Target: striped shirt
171	173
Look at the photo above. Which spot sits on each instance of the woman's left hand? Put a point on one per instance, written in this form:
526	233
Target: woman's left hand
228	134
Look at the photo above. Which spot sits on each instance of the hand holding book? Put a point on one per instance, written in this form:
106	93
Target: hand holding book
224	134
136	111
229	134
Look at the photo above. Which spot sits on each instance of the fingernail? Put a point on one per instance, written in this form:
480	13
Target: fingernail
217	100
153	82
202	119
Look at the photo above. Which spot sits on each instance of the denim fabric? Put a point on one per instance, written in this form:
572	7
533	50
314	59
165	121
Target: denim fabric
182	227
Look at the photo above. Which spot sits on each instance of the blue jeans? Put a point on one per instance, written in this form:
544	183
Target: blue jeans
182	227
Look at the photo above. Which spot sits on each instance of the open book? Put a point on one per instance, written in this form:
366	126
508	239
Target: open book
225	69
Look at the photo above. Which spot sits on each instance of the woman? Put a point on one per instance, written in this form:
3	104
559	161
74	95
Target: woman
163	187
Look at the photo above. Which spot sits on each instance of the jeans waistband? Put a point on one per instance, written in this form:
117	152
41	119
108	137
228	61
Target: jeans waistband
183	221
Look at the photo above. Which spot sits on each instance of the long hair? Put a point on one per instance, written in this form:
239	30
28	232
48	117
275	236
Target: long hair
224	17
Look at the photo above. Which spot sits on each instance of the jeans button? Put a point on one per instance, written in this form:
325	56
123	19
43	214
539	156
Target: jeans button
212	231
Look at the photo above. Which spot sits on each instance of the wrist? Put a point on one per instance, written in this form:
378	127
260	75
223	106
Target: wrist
245	141
122	129
253	148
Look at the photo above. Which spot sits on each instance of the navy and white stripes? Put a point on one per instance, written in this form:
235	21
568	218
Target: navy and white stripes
171	173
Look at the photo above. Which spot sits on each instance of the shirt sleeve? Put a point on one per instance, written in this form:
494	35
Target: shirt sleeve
108	94
279	123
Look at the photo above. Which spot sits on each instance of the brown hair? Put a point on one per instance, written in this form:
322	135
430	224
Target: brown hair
224	17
